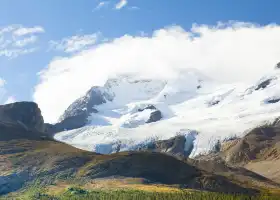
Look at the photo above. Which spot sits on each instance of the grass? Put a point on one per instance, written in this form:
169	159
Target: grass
134	191
78	194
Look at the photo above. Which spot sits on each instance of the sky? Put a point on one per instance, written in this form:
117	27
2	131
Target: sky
52	52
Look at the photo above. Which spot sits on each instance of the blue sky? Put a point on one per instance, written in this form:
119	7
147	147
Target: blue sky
98	22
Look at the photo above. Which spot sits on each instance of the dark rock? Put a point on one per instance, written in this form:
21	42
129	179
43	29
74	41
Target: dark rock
273	100
217	147
263	84
76	115
174	146
155	116
150	107
26	114
213	103
85	105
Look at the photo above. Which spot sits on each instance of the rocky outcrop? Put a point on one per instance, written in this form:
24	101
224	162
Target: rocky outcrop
85	105
149	107
175	146
263	84
26	114
273	100
155	114
252	147
76	115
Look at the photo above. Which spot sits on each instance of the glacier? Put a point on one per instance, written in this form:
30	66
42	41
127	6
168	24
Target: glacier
191	103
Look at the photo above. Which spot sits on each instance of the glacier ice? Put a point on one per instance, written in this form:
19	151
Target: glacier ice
191	102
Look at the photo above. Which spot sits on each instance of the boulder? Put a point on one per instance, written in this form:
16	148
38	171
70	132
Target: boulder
26	114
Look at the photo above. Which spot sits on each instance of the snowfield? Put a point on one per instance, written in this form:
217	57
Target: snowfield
192	105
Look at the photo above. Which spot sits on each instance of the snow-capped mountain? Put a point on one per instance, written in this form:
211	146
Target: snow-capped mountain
128	112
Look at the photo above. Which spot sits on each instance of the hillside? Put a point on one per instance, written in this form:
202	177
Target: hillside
257	151
27	157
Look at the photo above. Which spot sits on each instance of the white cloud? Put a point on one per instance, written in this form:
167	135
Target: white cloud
226	52
16	40
121	4
133	8
13	53
11	99
25	41
101	5
27	31
75	43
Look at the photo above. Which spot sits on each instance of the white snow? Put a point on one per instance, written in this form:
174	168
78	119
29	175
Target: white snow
216	111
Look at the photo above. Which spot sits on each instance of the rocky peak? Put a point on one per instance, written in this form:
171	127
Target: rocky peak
26	114
76	115
85	105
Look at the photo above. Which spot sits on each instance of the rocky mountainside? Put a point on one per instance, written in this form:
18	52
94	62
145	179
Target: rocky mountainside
257	151
26	114
27	155
78	113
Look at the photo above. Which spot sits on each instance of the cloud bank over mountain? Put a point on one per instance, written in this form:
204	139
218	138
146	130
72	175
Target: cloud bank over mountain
227	52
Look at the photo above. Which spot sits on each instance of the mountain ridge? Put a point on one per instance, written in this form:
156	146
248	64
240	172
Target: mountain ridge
190	102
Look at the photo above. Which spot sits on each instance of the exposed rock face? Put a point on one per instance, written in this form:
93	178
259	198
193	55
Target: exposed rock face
76	115
213	103
155	116
150	107
275	100
174	146
85	105
253	145
258	150
263	84
26	114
